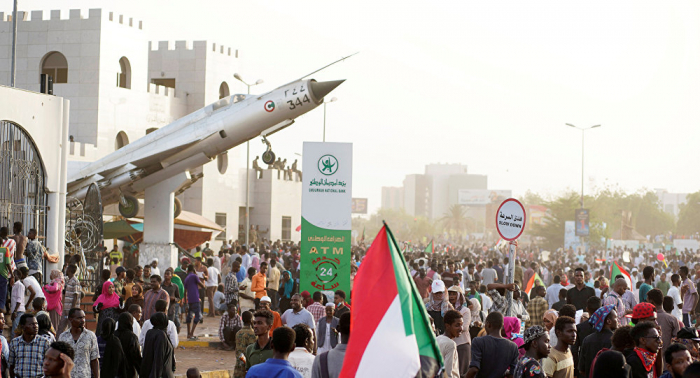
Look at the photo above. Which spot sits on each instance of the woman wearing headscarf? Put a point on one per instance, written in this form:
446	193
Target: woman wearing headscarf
107	305
477	322
158	352
112	358
53	291
285	291
464	340
511	330
135	298
550	317
130	345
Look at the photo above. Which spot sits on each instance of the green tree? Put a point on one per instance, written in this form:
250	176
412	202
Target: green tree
455	221
560	210
689	215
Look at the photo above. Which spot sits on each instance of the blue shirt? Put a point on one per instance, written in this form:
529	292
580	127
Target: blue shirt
273	368
241	275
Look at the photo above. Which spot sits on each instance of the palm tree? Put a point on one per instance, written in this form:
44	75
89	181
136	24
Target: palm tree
455	219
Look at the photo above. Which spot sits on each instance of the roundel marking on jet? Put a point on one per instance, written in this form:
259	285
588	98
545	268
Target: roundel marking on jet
269	106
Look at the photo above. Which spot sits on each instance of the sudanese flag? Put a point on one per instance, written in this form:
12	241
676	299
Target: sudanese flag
391	333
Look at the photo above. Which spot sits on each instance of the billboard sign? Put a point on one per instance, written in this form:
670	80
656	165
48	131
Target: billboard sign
326	204
582	222
359	205
480	196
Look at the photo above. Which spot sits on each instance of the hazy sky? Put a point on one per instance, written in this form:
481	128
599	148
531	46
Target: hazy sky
487	84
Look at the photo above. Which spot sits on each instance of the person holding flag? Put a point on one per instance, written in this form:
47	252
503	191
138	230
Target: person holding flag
393	319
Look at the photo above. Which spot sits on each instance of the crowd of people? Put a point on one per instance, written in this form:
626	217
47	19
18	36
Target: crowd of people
558	314
562	314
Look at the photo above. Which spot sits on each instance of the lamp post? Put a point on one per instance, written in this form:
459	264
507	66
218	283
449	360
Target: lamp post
334	99
247	170
582	151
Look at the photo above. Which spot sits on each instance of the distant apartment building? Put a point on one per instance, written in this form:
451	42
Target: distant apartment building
432	193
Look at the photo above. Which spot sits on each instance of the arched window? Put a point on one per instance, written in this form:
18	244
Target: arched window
55	65
223	90
121	140
124	75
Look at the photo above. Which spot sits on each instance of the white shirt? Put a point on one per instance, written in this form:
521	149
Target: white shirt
219	298
674	293
486	302
18	297
30	281
448	349
302	361
213	279
245	263
156	271
327	340
171	331
552	295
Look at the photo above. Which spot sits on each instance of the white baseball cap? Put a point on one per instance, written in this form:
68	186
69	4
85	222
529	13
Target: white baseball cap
438	286
266	299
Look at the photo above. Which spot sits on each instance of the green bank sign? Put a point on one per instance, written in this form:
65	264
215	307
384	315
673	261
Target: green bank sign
326	205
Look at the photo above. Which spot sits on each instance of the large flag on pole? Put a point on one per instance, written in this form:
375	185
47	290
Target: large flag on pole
618	270
430	248
535	280
388	315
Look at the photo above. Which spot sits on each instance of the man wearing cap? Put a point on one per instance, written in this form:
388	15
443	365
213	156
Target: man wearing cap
448	348
437	305
604	322
181	271
154	267
536	347
643	312
119	281
327	328
688	336
265	303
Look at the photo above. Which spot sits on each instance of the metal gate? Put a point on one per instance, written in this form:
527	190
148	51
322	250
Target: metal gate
23	196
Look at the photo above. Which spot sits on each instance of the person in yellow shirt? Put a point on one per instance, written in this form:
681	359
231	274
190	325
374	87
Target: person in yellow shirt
259	283
273	283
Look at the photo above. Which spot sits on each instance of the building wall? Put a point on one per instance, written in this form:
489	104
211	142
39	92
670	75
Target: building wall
93	42
671	202
274	199
417	195
45	119
392	197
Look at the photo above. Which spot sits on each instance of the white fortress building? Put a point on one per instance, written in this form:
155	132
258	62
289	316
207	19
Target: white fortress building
122	86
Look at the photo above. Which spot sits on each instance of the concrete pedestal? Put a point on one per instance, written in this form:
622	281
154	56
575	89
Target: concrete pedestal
158	214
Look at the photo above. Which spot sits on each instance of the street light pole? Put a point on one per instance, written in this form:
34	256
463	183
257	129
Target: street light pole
247	171
13	70
582	152
334	99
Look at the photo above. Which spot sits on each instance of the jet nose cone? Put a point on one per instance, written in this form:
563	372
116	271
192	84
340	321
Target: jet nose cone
322	88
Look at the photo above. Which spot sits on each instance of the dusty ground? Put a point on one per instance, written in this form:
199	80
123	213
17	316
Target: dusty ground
206	359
